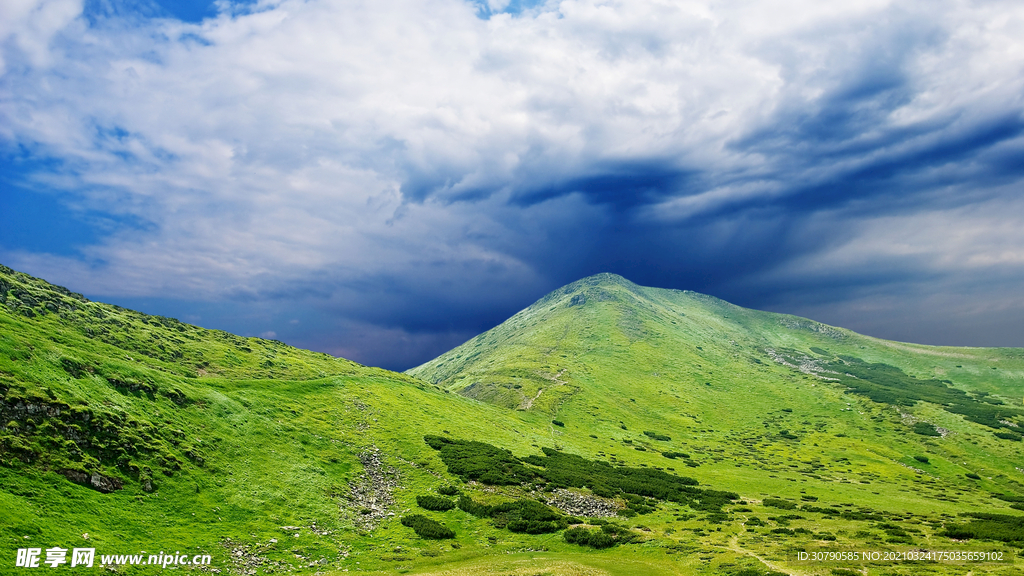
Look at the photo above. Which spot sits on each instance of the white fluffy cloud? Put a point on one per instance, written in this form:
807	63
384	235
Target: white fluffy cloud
414	140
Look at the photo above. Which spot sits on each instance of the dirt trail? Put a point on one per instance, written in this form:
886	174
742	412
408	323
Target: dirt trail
527	404
734	545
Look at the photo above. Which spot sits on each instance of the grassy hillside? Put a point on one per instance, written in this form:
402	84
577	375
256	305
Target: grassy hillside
765	404
608	429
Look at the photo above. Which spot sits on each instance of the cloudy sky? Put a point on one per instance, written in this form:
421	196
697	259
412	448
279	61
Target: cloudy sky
384	179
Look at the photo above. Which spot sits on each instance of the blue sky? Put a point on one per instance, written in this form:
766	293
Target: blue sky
383	180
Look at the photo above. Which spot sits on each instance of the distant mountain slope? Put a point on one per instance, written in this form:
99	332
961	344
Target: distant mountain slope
606	323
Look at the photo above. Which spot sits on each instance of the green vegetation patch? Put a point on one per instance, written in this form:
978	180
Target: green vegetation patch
606	536
925	429
891	385
779	503
657	436
987	526
436	503
523	516
448	490
427	528
472	460
488	464
1016	502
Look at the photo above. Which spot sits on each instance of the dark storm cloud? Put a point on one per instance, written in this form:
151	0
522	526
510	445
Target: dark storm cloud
621	187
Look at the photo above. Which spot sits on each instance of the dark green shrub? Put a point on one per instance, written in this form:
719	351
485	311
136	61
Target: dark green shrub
657	436
448	490
427	528
779	503
973	476
591	538
526	516
473	460
925	429
436	503
1009	436
607	536
558	423
674	455
922	459
986	526
467	504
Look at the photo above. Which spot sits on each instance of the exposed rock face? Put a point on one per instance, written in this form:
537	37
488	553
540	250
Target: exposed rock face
370	494
96	481
576	504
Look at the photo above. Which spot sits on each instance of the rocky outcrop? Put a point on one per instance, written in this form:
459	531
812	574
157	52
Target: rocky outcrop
95	480
585	505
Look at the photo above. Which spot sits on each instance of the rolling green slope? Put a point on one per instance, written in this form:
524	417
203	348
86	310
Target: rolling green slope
607	429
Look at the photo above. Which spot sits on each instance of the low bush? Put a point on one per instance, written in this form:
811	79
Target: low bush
524	516
435	503
922	459
607	536
427	528
779	503
986	526
591	538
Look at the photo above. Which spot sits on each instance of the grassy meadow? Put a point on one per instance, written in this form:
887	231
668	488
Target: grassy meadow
128	433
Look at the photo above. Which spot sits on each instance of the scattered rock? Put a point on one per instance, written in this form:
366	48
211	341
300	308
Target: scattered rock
370	495
805	364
